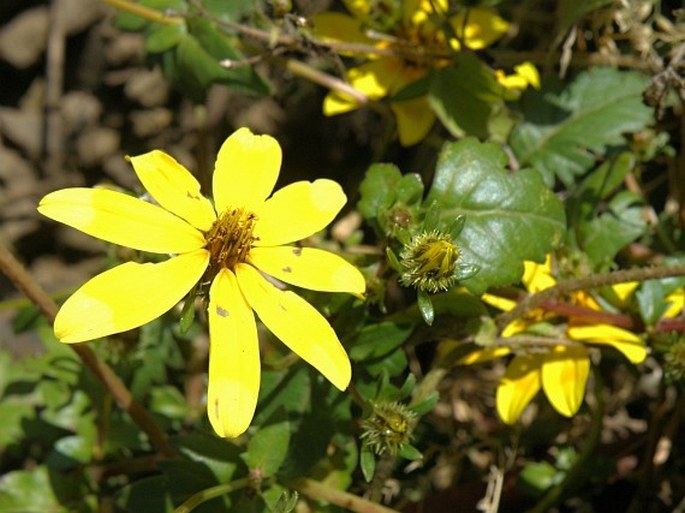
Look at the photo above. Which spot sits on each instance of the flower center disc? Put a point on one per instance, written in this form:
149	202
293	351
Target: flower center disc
230	238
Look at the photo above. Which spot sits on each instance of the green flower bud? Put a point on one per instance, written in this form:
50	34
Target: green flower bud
388	428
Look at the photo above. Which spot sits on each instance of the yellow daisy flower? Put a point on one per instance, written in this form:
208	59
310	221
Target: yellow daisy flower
415	29
560	370
226	246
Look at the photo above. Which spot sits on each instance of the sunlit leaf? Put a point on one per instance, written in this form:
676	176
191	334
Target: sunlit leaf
509	217
564	133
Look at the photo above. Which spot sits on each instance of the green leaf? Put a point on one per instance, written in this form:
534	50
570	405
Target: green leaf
603	237
464	96
168	401
509	218
377	190
287	501
535	478
367	462
393	364
565	132
379	339
426	405
409	452
24	491
216	44
268	448
164	38
426	307
217	454
232	10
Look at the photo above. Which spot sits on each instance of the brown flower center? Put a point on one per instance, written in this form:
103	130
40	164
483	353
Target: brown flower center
229	239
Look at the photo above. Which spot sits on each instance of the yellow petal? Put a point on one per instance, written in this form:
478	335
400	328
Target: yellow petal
128	296
174	188
518	326
246	170
483	355
520	383
499	302
528	72
297	324
121	219
309	268
336	27
478	27
375	79
676	302
537	277
625	341
564	375
415	118
234	367
624	290
297	211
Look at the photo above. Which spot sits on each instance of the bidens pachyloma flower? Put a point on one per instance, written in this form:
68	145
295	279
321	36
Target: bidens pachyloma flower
560	370
227	244
415	30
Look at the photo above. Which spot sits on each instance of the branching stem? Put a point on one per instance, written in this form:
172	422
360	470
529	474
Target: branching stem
564	287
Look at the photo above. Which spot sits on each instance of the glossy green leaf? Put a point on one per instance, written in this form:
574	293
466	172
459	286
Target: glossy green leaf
652	294
219	455
565	132
409	452
268	447
509	217
24	491
393	364
425	305
465	95
376	340
426	405
367	462
377	190
604	236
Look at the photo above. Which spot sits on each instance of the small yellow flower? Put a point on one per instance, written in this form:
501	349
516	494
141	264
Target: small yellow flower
419	27
561	370
228	244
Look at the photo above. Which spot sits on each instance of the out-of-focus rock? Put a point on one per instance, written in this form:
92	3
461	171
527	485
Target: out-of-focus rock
23	128
24	39
148	87
123	48
147	123
95	145
79	110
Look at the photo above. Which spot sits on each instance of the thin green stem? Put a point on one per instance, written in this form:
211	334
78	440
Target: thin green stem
579	469
25	283
564	287
145	12
212	493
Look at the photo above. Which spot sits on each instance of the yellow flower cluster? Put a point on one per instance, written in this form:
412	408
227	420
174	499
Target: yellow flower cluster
560	370
417	36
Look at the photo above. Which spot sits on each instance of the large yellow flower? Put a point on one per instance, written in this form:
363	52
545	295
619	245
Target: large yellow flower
418	27
561	370
229	245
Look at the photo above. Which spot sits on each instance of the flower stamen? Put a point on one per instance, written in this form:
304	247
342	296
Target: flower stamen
230	239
